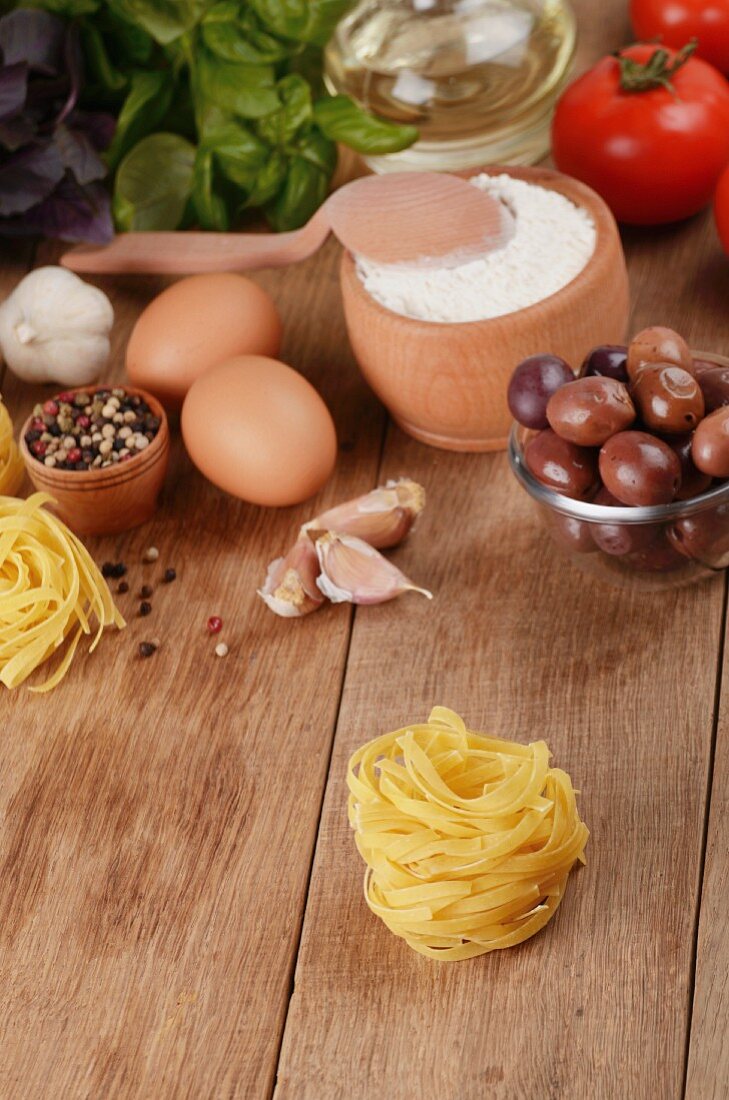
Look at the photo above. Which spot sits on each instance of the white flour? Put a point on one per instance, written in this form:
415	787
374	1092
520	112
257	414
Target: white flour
553	241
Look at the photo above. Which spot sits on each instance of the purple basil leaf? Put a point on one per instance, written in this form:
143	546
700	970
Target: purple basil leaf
34	36
13	88
15	132
74	67
27	177
98	127
78	154
71	213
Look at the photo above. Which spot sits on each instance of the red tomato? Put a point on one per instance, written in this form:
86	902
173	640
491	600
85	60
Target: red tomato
721	210
654	155
676	21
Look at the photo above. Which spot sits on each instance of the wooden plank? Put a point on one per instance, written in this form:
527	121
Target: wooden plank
158	817
707	1076
621	685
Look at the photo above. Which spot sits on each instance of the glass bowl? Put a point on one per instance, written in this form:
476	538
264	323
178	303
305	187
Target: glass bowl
658	547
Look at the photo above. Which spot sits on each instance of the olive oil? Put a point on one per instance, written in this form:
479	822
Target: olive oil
479	78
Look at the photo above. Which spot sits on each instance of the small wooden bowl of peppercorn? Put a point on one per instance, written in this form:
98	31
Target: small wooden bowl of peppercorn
101	452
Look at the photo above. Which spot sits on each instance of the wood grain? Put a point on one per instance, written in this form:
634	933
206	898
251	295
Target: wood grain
158	817
708	1057
621	685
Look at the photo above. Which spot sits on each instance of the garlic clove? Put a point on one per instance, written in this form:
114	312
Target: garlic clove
352	571
382	517
290	588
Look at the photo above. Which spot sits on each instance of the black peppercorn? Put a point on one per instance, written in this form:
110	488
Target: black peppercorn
170	575
122	587
146	591
146	649
145	607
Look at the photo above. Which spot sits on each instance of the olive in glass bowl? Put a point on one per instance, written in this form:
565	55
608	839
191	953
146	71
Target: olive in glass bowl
653	546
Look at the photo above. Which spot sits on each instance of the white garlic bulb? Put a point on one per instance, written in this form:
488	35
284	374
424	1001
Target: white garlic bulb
54	327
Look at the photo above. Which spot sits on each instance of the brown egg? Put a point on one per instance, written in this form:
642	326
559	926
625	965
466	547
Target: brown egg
693	481
617	538
658	345
668	398
710	447
562	465
639	469
195	324
590	410
260	431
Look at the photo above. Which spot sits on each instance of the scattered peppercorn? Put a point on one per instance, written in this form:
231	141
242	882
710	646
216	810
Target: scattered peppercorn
170	575
215	624
114	569
151	554
64	428
146	591
122	587
221	650
146	649
145	607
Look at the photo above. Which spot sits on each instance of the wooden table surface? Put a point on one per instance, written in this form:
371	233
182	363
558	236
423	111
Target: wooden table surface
181	910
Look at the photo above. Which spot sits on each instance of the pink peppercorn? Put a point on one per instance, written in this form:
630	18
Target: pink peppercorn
74	455
215	624
51	407
38	448
84	421
67	397
37	425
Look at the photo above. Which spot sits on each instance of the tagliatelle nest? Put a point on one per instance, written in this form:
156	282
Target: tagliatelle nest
468	840
50	588
12	467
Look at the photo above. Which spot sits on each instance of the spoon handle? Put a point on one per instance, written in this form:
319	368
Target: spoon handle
192	253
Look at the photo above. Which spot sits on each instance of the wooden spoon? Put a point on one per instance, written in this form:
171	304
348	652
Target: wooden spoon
403	217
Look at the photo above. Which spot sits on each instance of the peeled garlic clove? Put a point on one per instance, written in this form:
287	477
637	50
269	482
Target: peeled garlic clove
382	517
352	571
290	586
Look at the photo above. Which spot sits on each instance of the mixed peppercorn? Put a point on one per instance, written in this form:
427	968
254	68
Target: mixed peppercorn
81	431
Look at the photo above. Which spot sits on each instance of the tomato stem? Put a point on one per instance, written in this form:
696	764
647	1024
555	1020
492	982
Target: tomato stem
656	72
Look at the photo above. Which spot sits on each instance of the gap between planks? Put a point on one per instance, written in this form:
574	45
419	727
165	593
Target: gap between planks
705	834
387	423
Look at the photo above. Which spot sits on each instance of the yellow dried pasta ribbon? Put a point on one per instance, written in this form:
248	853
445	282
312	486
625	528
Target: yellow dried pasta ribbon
50	588
12	468
468	840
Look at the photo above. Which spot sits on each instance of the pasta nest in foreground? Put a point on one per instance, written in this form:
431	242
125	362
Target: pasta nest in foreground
468	840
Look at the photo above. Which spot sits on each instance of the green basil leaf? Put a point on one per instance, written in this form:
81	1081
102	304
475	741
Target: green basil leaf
100	69
269	180
279	127
303	20
71	9
245	90
144	108
153	183
209	207
237	35
303	192
313	146
131	45
238	153
165	20
342	120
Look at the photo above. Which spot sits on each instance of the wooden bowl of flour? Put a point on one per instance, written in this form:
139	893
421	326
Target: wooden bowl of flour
445	383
